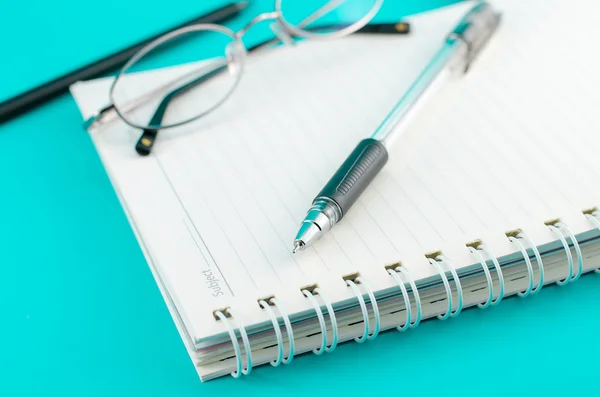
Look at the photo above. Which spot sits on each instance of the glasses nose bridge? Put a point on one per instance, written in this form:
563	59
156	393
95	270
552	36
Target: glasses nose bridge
267	16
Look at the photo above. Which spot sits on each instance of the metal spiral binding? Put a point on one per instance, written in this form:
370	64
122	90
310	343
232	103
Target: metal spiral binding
403	278
488	277
498	268
266	304
407	305
527	292
277	330
334	327
459	289
562	239
322	324
446	286
363	306
593	217
324	348
451	312
236	346
409	312
288	328
416	295
538	258
569	233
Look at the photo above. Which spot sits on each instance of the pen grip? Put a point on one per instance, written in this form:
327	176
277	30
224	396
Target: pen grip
355	174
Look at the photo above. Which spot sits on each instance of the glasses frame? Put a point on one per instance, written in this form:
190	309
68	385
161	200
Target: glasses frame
283	29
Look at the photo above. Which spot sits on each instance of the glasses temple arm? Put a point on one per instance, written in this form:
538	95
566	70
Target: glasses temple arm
146	141
326	9
108	113
371	28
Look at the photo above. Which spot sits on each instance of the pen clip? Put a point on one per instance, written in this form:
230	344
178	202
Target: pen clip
476	29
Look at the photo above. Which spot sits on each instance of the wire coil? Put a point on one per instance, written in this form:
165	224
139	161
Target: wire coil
408	293
565	245
361	300
332	318
277	330
498	269
407	305
236	346
538	259
521	247
437	263
488	277
416	296
321	318
278	335
571	236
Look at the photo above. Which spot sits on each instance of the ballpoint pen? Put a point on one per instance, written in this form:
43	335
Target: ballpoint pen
458	52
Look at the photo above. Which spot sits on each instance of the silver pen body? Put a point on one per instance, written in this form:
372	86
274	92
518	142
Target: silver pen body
458	52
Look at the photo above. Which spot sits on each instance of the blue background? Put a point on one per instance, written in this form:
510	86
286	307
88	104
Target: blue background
81	314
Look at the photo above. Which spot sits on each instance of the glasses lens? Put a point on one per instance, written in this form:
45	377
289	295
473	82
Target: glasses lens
188	73
328	17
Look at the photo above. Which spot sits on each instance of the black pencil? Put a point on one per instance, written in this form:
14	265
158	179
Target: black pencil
29	100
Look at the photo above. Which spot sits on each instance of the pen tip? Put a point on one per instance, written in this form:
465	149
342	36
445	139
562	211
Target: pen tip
298	246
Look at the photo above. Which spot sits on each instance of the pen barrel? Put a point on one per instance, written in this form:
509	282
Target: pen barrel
355	174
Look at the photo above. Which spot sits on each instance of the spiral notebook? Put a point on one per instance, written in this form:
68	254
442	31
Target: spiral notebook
492	193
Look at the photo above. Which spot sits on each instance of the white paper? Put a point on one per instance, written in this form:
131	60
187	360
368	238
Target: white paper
510	145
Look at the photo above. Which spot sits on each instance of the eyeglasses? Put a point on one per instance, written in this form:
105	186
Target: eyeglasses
210	59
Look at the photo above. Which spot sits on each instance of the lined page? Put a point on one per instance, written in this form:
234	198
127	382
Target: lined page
510	145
